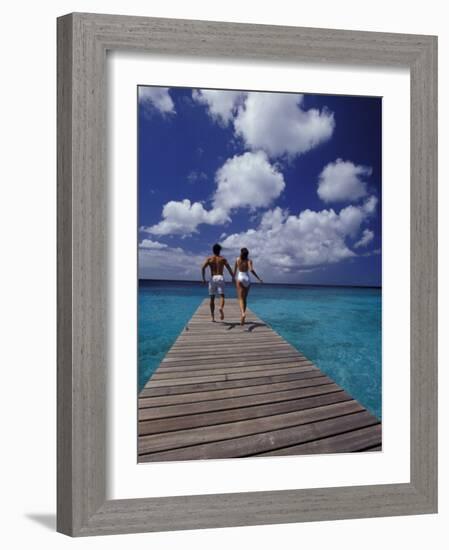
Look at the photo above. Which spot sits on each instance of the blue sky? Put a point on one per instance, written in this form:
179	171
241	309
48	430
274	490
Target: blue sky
296	178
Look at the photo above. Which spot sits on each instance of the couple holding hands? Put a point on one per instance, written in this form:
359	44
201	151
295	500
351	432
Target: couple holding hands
242	268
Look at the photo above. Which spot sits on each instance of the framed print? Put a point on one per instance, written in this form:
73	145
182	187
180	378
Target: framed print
215	475
246	324
240	382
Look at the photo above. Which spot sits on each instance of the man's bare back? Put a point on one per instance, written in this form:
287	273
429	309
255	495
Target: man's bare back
216	264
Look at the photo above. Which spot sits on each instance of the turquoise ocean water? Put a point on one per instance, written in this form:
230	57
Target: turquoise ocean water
338	328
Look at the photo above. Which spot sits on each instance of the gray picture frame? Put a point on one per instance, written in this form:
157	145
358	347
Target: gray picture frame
83	41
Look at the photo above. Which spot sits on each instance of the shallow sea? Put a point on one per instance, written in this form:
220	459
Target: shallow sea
338	328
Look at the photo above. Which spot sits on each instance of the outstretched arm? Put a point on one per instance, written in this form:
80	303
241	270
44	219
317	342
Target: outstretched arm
253	272
203	269
228	267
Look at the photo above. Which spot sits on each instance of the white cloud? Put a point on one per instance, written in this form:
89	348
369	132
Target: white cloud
274	122
169	263
273	218
278	124
370	204
220	104
183	218
247	180
284	243
157	97
153	245
366	238
343	180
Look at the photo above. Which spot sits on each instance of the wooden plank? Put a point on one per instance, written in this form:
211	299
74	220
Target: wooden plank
241	391
181	349
175	374
234	402
163	367
219	377
281	358
351	441
241	342
312	372
221	335
263	442
219	338
254	354
227	351
147	427
214	345
220	432
253	332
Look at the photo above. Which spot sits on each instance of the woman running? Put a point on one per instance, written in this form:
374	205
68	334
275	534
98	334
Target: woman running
243	266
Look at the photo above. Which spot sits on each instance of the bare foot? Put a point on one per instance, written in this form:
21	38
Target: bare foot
212	319
242	319
221	313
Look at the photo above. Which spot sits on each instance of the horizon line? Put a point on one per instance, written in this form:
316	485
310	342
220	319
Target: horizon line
273	284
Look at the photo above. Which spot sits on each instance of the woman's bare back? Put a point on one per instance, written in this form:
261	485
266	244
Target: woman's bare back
243	265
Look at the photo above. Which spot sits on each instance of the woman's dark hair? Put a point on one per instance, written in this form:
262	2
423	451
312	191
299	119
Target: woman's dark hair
216	249
244	254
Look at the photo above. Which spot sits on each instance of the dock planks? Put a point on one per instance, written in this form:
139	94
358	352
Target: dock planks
227	391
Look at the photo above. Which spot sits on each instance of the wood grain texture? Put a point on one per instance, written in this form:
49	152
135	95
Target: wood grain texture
83	40
423	275
65	495
165	425
213	423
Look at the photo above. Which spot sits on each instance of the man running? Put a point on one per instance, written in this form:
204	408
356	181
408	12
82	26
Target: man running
216	263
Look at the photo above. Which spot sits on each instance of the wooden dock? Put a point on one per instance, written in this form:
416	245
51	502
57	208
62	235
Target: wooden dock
227	391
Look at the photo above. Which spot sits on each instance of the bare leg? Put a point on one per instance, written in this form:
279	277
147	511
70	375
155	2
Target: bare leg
212	308
245	291
222	303
240	290
245	296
